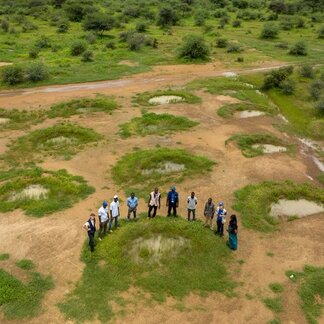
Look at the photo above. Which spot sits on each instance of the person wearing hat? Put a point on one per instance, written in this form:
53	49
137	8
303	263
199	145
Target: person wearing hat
114	212
154	202
90	227
132	203
172	201
103	219
221	219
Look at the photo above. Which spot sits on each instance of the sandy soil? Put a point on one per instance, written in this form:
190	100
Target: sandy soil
54	242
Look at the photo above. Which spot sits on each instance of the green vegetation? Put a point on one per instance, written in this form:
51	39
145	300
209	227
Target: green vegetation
4	256
84	105
275	304
251	144
321	178
254	201
311	291
276	287
187	97
194	47
141	170
25	264
174	271
63	139
58	190
19	300
151	123
229	110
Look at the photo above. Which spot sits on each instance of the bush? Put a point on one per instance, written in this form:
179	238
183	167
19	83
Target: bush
5	25
286	24
43	42
288	86
300	22
282	45
316	89
234	48
236	23
78	47
98	22
12	74
299	49
320	106
91	38
321	32
269	31
167	17
87	56
149	41
276	77
36	72
63	26
77	9
194	47
141	27
111	45
33	53
221	42
135	41
307	71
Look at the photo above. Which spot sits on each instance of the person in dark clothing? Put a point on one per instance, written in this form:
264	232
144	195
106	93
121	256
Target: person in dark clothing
90	227
232	233
172	201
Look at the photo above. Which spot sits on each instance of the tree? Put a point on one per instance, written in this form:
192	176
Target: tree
77	9
278	6
194	47
98	22
275	78
167	17
315	5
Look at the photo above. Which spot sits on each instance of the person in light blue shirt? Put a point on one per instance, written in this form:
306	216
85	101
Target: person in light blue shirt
132	203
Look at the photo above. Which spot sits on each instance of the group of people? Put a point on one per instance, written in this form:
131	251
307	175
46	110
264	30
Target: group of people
108	216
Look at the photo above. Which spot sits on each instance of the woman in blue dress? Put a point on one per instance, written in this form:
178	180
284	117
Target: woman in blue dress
232	233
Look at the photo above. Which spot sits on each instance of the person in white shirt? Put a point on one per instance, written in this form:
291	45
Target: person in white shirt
221	219
192	203
154	202
103	219
90	227
114	212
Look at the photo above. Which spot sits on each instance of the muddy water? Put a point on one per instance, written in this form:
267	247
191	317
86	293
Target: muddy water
269	148
160	100
301	208
154	248
35	192
167	167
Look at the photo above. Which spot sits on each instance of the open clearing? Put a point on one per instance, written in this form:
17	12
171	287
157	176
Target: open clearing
54	242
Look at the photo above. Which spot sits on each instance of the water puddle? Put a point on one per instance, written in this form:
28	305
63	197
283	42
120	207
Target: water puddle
60	140
160	100
301	208
167	167
229	74
249	113
4	120
269	148
154	248
35	192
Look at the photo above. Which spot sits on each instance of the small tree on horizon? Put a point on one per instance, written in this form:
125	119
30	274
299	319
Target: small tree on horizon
194	47
98	22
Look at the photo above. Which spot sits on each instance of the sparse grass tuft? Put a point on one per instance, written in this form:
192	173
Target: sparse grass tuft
25	264
63	190
321	178
4	256
175	275
275	304
254	201
151	123
81	106
19	300
276	287
141	170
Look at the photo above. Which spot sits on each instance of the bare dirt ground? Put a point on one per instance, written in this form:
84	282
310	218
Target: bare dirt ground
54	242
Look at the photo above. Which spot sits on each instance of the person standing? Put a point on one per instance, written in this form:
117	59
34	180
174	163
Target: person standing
114	212
192	203
154	202
90	227
172	201
132	203
232	233
103	219
221	219
209	212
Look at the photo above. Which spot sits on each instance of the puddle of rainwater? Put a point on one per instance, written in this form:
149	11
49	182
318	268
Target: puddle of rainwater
229	74
167	167
160	100
60	140
249	113
268	148
4	120
35	192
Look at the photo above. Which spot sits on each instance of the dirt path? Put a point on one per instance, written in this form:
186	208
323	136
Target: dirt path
54	242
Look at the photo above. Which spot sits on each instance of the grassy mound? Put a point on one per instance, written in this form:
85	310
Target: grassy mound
81	106
246	143
64	139
311	291
62	190
142	170
229	110
151	123
187	97
254	201
198	266
19	119
19	300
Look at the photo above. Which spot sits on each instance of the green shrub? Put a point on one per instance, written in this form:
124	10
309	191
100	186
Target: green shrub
135	41
111	45
286	24
36	72
321	32
221	42
98	22
299	49
288	86
269	31
4	25
78	47
320	106
87	56
234	48
25	264
194	47
167	17
12	74
43	42
276	77
316	89
307	71
91	38
141	27
33	53
63	26
236	23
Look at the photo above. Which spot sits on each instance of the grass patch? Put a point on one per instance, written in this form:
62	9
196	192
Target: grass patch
311	291
275	304
246	143
149	167
20	119
176	275
85	105
63	139
187	97
254	201
151	123
19	300
276	287
321	178
25	264
4	256
62	190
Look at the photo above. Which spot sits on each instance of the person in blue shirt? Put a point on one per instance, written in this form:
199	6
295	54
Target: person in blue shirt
172	201
132	203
